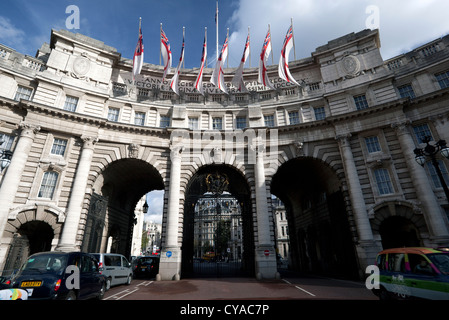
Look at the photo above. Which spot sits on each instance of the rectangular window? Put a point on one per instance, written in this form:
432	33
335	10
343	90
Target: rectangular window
269	120
320	113
48	184
23	93
443	79
58	147
240	122
70	103
193	123
406	91
293	117
433	173
217	123
113	114
139	118
383	181
372	144
361	102
422	131
165	121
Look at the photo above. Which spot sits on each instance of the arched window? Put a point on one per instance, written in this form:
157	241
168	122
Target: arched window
48	184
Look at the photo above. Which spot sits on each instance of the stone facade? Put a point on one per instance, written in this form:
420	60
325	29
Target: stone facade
337	150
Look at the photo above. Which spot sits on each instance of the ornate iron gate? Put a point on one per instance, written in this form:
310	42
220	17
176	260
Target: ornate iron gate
218	238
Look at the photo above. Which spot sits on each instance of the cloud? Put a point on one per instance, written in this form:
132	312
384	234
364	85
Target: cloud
403	24
11	35
155	200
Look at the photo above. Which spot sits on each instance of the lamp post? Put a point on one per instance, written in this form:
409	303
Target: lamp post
5	156
145	207
431	151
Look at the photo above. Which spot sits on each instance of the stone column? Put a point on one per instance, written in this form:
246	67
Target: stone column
68	241
355	191
170	263
366	247
11	180
431	209
265	255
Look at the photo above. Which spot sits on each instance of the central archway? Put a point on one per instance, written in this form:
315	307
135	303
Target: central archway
319	230
218	239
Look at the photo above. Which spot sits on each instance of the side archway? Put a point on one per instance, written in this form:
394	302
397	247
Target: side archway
117	190
320	232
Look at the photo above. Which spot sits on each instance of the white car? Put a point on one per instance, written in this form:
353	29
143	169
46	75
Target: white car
115	268
13	294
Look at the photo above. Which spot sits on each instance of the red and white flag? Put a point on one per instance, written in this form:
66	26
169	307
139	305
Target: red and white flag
174	80
166	53
138	54
199	78
284	71
266	50
237	81
218	74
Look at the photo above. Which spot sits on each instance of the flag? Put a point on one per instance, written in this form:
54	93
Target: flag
138	54
199	78
266	49
174	80
166	53
218	74
237	81
284	71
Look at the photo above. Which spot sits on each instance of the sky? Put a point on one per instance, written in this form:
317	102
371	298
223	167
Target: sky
403	25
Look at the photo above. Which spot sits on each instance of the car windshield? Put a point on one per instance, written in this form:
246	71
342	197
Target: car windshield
146	260
46	263
441	261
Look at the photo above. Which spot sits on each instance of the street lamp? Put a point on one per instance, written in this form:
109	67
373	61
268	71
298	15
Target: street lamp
431	151
145	207
5	156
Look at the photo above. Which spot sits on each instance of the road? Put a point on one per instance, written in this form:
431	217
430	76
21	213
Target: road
287	288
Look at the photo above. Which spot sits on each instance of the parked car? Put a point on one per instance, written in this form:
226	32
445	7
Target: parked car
115	267
8	293
146	266
45	275
409	273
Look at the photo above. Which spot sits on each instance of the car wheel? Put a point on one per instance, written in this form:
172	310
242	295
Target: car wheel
128	281
384	294
108	283
71	295
102	291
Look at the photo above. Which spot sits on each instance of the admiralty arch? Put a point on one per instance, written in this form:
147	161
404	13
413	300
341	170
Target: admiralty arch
85	142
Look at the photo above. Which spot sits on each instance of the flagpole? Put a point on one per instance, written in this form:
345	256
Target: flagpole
272	59
216	27
160	47
227	60
293	38
205	37
249	50
183	38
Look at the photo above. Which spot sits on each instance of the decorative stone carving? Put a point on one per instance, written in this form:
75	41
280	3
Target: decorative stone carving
81	67
133	150
351	66
299	151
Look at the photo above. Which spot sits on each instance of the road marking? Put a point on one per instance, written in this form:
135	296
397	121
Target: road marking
305	291
297	287
127	292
